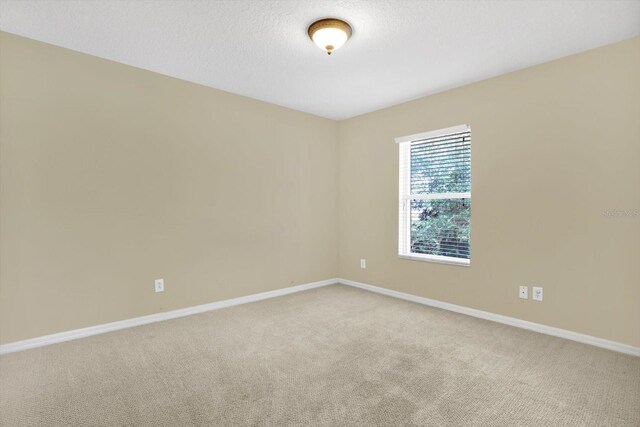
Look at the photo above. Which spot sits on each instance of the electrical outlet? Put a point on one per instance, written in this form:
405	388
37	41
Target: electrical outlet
537	293
524	292
363	263
159	285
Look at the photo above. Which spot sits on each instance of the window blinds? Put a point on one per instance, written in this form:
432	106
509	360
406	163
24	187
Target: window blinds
435	195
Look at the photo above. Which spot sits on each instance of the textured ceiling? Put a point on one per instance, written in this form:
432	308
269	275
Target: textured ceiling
400	50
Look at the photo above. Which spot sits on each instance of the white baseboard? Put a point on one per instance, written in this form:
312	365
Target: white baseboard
524	324
137	321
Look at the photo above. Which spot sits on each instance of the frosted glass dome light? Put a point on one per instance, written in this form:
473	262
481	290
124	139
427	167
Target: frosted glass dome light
329	34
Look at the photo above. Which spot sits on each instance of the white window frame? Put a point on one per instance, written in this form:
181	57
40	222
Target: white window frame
405	196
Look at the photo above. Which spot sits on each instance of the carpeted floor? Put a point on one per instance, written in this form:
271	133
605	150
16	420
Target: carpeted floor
333	356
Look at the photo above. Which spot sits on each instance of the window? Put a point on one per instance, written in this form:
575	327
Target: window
435	196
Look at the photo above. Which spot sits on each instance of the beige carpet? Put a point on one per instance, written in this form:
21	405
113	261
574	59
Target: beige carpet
333	356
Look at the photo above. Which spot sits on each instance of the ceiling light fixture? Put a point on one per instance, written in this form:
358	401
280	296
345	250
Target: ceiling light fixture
329	34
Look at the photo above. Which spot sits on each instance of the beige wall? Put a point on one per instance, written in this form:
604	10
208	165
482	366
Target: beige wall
553	147
112	176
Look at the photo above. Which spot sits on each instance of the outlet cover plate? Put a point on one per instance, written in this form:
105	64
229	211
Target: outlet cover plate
537	293
524	292
159	285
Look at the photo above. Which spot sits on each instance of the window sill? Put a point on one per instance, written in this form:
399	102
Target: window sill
437	259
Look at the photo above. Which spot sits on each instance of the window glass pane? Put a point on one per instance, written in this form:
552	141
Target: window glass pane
441	227
441	165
